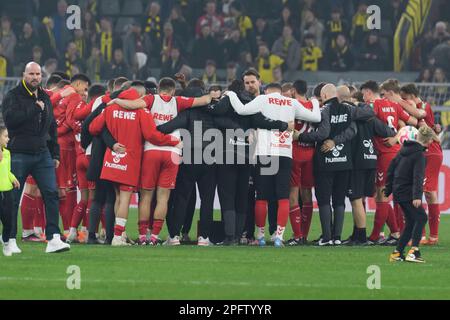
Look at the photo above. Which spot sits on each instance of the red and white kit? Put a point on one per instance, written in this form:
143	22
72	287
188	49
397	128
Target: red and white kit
161	162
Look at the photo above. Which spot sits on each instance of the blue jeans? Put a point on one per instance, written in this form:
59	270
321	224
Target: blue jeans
42	168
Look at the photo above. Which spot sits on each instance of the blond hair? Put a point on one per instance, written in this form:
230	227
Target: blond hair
426	134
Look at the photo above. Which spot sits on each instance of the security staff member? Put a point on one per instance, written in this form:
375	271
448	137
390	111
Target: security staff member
28	115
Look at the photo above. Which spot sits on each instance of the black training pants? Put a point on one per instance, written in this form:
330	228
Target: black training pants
189	174
105	196
415	220
6	213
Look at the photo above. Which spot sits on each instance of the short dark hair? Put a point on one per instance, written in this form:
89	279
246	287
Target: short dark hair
63	75
80	77
150	87
358	96
273	85
237	86
196	83
370	85
410	88
391	85
215	87
118	82
53	80
300	86
318	89
167	84
251	72
96	90
63	83
110	85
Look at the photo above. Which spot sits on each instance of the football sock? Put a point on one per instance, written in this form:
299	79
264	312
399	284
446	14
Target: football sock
62	208
78	214
295	219
157	226
143	226
260	216
39	218
86	214
306	215
119	228
28	211
434	219
381	214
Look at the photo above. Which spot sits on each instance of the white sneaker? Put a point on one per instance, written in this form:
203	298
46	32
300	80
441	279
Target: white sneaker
202	242
175	241
7	250
119	241
73	237
273	236
12	244
56	245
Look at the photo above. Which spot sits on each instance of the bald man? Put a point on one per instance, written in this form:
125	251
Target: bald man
28	115
332	165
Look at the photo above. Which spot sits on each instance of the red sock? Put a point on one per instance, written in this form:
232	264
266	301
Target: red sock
306	215
381	215
283	212
156	228
28	211
152	212
86	214
143	226
434	219
392	221
62	208
399	217
295	219
118	230
260	213
71	203
39	218
78	213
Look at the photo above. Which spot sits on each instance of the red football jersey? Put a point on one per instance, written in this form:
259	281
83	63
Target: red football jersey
130	128
390	113
435	147
73	123
303	151
66	140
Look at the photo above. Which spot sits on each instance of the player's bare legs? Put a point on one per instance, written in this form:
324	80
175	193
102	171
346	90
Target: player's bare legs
146	197
121	217
162	199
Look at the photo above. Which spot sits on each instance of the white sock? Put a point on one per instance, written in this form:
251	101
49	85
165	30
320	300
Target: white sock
26	233
260	232
38	230
121	222
280	232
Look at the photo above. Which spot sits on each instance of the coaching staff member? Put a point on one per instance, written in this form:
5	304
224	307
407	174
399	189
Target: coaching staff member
28	115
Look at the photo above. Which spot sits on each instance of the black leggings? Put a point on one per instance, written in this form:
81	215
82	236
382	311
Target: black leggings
233	188
189	174
190	211
105	196
6	213
415	220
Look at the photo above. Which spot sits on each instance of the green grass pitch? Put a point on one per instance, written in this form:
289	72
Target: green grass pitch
189	272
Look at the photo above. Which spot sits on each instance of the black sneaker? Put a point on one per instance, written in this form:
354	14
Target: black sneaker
294	242
391	242
93	241
348	242
229	242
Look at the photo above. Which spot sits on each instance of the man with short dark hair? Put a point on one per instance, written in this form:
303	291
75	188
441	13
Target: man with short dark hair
28	115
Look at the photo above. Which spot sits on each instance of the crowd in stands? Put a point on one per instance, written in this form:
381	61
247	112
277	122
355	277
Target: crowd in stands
133	37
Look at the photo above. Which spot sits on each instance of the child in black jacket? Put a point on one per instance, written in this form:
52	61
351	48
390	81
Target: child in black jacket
405	182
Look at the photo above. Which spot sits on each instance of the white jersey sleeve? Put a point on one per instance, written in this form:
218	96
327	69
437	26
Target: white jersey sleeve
301	113
250	108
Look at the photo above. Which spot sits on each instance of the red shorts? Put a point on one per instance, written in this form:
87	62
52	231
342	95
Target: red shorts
31	181
82	166
159	169
383	162
302	174
66	172
126	188
432	170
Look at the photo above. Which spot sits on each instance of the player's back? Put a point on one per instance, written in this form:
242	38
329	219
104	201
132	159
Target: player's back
389	113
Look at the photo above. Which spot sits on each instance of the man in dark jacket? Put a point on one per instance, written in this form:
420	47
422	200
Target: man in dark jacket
28	115
405	182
